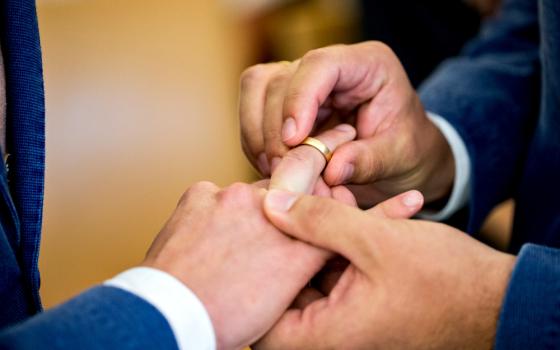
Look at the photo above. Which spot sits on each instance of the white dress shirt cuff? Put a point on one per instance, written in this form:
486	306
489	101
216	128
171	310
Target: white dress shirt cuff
184	312
460	193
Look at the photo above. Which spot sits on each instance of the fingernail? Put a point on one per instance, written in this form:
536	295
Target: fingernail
262	163
280	201
344	128
347	173
289	129
274	163
412	199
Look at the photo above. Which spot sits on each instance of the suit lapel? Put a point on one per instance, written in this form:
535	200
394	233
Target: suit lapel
25	125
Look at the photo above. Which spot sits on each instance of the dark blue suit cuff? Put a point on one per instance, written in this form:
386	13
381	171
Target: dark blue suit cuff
100	318
530	317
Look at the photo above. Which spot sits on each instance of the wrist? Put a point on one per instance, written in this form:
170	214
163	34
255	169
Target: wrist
497	282
186	315
440	166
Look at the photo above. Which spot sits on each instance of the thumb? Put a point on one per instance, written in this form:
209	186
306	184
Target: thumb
402	206
360	162
325	223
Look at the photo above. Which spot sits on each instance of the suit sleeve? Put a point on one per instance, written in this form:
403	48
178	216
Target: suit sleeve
490	95
101	318
530	317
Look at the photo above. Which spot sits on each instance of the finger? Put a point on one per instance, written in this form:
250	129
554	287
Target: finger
367	195
262	184
198	193
292	332
260	163
361	161
349	70
272	117
300	168
321	189
306	297
251	108
327	224
315	325
403	206
344	195
199	197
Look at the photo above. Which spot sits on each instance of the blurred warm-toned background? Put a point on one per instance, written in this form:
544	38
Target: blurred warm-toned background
142	102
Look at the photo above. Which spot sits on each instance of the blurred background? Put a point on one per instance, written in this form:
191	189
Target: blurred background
142	102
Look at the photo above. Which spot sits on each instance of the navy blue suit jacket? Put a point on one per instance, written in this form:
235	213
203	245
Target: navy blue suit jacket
102	317
503	97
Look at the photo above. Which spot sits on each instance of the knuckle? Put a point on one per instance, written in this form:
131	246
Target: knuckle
291	104
236	193
204	186
378	46
324	54
298	156
277	83
271	133
252	74
197	189
317	56
293	95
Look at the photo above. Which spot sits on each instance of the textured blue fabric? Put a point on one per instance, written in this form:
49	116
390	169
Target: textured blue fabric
537	217
22	198
531	314
491	96
101	318
503	97
14	296
25	131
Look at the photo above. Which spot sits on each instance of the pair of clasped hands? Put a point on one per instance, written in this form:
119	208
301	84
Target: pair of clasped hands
380	280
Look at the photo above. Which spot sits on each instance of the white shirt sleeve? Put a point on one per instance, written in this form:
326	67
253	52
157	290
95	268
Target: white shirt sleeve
184	312
460	193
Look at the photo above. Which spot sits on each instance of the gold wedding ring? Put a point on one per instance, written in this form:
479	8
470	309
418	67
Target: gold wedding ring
319	146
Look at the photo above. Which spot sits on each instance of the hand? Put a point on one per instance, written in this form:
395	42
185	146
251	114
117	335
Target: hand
244	271
398	147
410	285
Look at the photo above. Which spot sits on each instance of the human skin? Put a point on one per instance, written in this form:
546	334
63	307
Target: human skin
410	284
397	147
244	270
